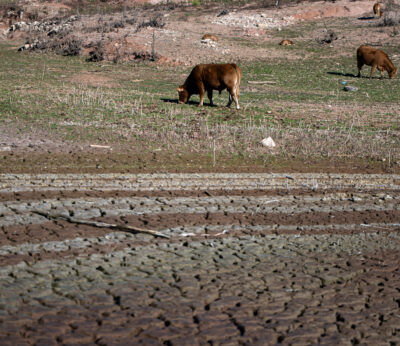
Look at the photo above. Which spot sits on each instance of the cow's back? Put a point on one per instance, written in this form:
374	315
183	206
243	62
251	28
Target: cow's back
369	55
366	54
219	75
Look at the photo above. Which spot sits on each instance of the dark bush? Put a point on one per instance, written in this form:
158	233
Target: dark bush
328	38
130	21
155	22
97	54
391	13
67	46
118	24
143	56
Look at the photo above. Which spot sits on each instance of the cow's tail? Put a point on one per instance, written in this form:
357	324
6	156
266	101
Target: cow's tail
238	78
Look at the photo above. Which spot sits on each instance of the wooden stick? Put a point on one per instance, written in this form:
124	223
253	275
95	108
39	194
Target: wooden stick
261	82
124	228
100	146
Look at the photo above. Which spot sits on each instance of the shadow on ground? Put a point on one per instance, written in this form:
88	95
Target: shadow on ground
187	103
343	74
366	18
353	75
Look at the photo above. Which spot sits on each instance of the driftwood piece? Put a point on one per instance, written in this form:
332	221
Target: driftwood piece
124	228
261	82
100	146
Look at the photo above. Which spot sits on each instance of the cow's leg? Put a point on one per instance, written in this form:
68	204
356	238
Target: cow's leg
359	65
381	69
372	70
236	99
233	96
201	92
236	93
230	99
210	95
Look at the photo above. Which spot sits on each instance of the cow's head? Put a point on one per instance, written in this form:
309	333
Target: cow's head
393	72
183	94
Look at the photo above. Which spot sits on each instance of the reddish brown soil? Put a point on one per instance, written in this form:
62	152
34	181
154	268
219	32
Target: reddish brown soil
96	161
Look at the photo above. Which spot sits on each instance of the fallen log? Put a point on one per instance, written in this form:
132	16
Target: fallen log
123	228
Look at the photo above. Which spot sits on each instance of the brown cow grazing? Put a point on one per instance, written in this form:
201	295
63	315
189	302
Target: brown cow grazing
209	77
375	58
286	43
378	9
210	37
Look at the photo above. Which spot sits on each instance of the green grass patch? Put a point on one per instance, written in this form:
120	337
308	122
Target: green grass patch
135	104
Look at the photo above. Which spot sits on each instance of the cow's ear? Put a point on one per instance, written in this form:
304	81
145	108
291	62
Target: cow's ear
179	89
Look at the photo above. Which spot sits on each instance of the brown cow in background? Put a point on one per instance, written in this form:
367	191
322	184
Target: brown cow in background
209	77
210	37
375	58
378	9
286	43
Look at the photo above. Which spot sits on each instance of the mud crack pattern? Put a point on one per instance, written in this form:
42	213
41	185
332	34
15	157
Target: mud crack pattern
252	259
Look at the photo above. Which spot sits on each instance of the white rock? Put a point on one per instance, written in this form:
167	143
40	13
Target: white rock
268	142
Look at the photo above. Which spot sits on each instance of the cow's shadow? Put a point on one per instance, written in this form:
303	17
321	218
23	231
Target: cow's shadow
366	18
170	100
354	75
343	74
188	103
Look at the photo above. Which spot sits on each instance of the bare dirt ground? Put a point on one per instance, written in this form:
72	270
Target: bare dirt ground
178	33
251	259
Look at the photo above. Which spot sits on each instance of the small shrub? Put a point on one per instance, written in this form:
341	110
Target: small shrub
155	22
97	54
130	21
143	56
67	46
391	13
328	38
118	24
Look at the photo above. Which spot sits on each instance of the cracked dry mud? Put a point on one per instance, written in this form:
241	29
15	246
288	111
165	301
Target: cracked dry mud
254	259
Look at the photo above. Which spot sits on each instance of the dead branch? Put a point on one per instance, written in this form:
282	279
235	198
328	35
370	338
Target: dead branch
261	82
100	146
124	228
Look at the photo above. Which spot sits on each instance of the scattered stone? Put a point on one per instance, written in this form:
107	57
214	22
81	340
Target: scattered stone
223	13
268	142
50	27
350	88
260	21
209	43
